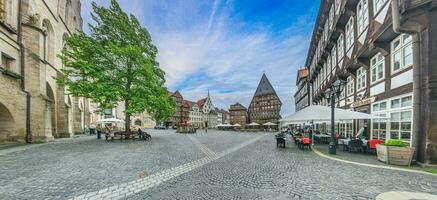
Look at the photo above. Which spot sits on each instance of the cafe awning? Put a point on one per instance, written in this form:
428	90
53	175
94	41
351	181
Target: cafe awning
253	124
110	120
317	113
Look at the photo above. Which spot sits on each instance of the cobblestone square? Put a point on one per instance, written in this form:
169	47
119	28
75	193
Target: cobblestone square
213	165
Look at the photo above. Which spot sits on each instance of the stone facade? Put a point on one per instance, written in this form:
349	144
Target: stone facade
35	105
238	114
180	114
385	51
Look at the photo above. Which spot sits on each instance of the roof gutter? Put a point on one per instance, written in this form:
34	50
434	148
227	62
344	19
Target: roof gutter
415	30
28	137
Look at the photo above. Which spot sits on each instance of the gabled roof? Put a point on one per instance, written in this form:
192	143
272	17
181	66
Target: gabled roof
301	74
177	93
264	87
189	103
201	102
237	106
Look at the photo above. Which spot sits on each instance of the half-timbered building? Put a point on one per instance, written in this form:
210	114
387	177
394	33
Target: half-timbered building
385	51
265	105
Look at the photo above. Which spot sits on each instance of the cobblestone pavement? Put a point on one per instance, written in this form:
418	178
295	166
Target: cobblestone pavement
213	165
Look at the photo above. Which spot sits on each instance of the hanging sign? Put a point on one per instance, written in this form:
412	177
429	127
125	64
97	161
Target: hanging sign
363	102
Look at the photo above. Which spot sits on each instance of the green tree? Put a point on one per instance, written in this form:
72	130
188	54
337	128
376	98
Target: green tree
115	63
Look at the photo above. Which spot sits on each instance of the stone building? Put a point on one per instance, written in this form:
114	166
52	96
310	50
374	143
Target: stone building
195	114
179	115
301	97
32	104
385	51
209	115
265	105
238	114
226	117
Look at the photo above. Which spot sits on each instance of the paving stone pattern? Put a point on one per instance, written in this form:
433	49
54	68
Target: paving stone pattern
213	165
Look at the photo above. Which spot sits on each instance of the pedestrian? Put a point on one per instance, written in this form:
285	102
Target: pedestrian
140	134
92	129
99	131
206	129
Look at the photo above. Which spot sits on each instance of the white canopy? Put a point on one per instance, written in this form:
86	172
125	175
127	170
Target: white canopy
110	120
253	124
224	125
269	124
317	113
237	125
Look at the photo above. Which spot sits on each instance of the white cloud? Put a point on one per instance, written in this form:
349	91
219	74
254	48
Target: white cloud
201	46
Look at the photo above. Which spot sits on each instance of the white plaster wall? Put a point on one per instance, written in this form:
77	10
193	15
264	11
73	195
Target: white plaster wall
377	89
402	79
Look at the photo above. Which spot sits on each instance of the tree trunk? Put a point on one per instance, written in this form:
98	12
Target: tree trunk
127	117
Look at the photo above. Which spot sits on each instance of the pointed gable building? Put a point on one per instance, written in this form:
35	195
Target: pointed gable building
266	105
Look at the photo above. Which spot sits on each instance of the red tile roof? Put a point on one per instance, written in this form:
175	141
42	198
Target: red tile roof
201	102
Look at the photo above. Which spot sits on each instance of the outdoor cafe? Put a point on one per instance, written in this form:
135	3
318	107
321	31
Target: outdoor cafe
313	122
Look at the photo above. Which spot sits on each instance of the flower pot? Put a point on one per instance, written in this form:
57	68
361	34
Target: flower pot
395	155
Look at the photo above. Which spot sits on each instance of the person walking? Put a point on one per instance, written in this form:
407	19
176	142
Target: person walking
99	131
92	129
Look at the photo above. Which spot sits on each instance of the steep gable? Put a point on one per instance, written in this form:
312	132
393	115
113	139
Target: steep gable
264	87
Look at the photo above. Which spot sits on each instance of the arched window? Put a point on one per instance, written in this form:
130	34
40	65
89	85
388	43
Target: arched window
45	31
67	11
64	46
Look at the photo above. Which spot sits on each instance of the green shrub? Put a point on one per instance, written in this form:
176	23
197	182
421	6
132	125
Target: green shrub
395	143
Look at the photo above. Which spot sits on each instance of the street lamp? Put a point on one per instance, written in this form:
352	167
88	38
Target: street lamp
334	90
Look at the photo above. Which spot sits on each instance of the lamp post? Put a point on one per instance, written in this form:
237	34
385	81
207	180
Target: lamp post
333	91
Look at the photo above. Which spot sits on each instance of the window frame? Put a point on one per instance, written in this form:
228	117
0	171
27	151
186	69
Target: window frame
350	86
340	48
401	50
374	64
361	78
362	16
377	6
350	35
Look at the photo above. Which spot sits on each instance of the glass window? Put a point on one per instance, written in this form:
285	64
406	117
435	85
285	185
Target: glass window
350	86
340	48
377	4
401	52
350	33
333	58
329	66
337	4
406	101
363	16
331	17
400	125
379	127
377	67
361	78
395	103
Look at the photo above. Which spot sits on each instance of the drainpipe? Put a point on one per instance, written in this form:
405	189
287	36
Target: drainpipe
415	31
28	137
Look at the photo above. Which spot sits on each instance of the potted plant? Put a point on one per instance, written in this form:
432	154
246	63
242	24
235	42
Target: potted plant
395	152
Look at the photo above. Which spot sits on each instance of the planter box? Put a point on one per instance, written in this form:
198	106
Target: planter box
395	155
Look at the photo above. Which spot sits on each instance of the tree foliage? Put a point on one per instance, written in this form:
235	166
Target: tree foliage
116	63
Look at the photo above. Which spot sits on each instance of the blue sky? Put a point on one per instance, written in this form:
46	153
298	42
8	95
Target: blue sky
225	45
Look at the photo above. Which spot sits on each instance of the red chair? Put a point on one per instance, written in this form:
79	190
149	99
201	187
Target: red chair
306	142
371	144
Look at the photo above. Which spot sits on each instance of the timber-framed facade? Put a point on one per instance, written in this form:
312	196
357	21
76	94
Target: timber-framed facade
384	50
